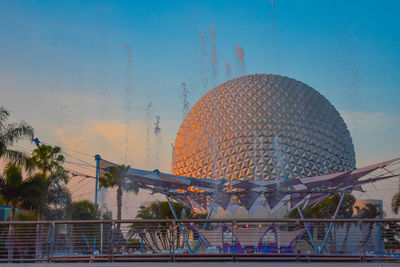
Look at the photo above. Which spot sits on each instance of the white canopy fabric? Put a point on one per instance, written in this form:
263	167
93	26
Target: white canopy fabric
200	193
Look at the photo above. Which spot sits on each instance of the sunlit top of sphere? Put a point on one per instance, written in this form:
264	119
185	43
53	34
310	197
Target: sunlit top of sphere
260	127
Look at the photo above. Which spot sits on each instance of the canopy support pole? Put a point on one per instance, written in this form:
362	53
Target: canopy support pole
308	230
97	158
332	223
180	226
204	227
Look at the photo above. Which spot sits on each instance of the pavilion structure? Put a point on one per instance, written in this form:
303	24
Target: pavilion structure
298	193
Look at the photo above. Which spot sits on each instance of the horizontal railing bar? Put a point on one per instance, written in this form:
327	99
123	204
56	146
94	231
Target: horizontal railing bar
170	221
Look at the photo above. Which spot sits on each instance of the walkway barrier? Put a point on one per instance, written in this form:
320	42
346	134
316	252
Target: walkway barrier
348	240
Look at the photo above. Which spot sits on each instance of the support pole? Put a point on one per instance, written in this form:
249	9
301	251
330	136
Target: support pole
204	227
180	226
97	158
331	225
308	231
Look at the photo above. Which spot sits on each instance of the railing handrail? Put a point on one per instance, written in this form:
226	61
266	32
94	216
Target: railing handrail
234	221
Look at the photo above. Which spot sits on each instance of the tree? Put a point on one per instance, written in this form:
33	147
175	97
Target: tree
162	210
391	235
370	211
35	194
48	160
11	186
59	202
325	210
84	210
153	235
396	202
11	133
83	235
19	192
115	177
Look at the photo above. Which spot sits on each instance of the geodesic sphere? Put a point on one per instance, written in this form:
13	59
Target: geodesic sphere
260	127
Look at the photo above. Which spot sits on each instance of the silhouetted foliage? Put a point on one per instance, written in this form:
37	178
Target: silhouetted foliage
11	133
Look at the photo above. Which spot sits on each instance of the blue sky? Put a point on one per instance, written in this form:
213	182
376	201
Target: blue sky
64	68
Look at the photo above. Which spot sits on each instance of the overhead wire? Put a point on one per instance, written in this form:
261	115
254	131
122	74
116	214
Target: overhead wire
80	164
74	185
68	149
79	159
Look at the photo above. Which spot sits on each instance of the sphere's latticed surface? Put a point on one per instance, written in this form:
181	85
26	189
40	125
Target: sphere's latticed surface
261	127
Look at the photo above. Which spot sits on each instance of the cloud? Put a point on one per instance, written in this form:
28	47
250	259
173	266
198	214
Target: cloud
108	138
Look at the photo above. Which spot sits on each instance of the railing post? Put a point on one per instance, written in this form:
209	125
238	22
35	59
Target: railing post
111	242
297	243
233	243
359	224
50	240
222	238
173	223
10	243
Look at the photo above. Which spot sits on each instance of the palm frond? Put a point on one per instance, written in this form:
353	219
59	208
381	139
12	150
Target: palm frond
3	117
16	131
396	202
60	175
17	157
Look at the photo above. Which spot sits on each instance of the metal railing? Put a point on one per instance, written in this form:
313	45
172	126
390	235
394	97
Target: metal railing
201	240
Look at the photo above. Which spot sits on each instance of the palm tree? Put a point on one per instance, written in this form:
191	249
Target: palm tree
162	210
47	159
27	194
10	133
396	202
370	211
12	186
115	177
19	192
326	209
157	233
